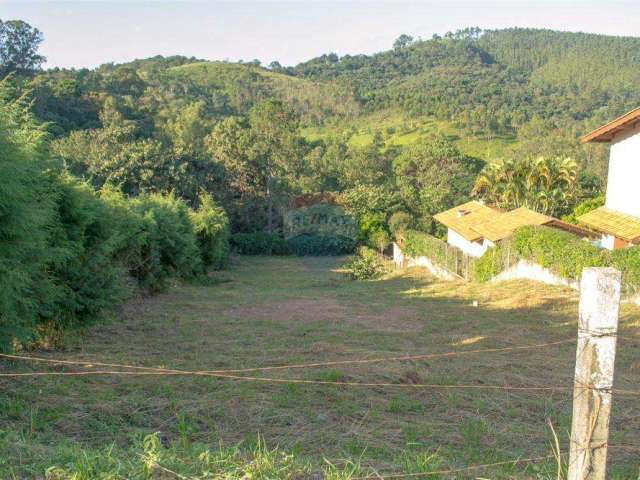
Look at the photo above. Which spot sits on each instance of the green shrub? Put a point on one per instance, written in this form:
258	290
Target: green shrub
627	260
490	264
365	266
27	212
88	277
417	244
259	243
211	227
379	240
66	251
370	223
584	207
562	252
171	247
318	245
399	222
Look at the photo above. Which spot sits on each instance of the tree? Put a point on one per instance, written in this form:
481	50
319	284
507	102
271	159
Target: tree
19	43
262	156
546	185
434	176
402	41
277	149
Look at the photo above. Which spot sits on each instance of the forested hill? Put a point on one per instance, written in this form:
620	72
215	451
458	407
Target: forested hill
499	78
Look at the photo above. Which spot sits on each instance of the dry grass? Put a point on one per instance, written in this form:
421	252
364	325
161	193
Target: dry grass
277	311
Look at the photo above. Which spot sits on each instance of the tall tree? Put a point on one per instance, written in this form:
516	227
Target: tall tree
262	155
546	185
434	176
19	43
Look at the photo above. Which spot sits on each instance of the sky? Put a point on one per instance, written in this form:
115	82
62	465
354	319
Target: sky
87	33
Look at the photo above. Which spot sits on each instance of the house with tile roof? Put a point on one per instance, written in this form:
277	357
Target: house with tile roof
474	227
619	220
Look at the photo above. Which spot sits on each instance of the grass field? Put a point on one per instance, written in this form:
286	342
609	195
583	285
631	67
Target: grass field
397	129
276	311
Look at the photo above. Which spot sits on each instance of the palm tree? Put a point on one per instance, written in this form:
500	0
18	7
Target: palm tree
546	185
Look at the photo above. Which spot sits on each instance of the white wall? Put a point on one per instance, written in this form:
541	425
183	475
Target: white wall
532	271
475	249
623	185
607	241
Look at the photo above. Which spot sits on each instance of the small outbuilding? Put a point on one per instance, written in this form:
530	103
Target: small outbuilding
460	222
619	220
473	227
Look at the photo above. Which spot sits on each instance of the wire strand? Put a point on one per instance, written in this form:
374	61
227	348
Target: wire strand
296	366
455	470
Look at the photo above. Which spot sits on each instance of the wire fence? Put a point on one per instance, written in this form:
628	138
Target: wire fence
239	374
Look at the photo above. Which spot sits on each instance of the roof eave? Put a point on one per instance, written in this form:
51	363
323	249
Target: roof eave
606	133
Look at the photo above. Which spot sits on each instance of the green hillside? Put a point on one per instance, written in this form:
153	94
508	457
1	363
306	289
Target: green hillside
334	123
398	129
314	100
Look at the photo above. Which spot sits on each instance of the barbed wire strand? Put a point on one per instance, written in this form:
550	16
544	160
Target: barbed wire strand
296	366
311	382
455	470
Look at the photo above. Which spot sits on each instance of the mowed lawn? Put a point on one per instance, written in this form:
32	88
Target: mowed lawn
281	311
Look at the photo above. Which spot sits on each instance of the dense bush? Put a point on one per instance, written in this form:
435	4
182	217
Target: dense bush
399	222
379	240
627	260
365	266
317	245
563	253
259	243
27	211
66	251
170	247
211	227
88	275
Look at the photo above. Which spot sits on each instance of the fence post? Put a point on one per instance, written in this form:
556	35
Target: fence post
595	359
398	256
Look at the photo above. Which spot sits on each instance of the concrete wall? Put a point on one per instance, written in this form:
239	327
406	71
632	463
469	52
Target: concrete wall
404	261
525	270
607	241
623	191
474	249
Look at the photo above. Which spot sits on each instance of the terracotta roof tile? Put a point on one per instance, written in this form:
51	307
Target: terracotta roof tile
464	217
612	222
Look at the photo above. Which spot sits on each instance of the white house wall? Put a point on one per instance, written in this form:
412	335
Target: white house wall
607	241
473	249
623	185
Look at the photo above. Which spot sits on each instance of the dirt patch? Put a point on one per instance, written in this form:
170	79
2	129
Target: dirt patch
329	309
392	319
301	310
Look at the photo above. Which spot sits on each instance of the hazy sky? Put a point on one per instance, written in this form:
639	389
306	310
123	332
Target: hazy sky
86	33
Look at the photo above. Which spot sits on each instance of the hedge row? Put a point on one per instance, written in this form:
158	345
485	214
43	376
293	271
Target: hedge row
95	248
561	252
264	243
567	255
67	251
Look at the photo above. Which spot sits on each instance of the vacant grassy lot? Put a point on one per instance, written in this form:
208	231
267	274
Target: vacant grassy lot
275	311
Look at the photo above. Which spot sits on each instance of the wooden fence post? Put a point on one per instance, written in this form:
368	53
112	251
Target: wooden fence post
595	359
